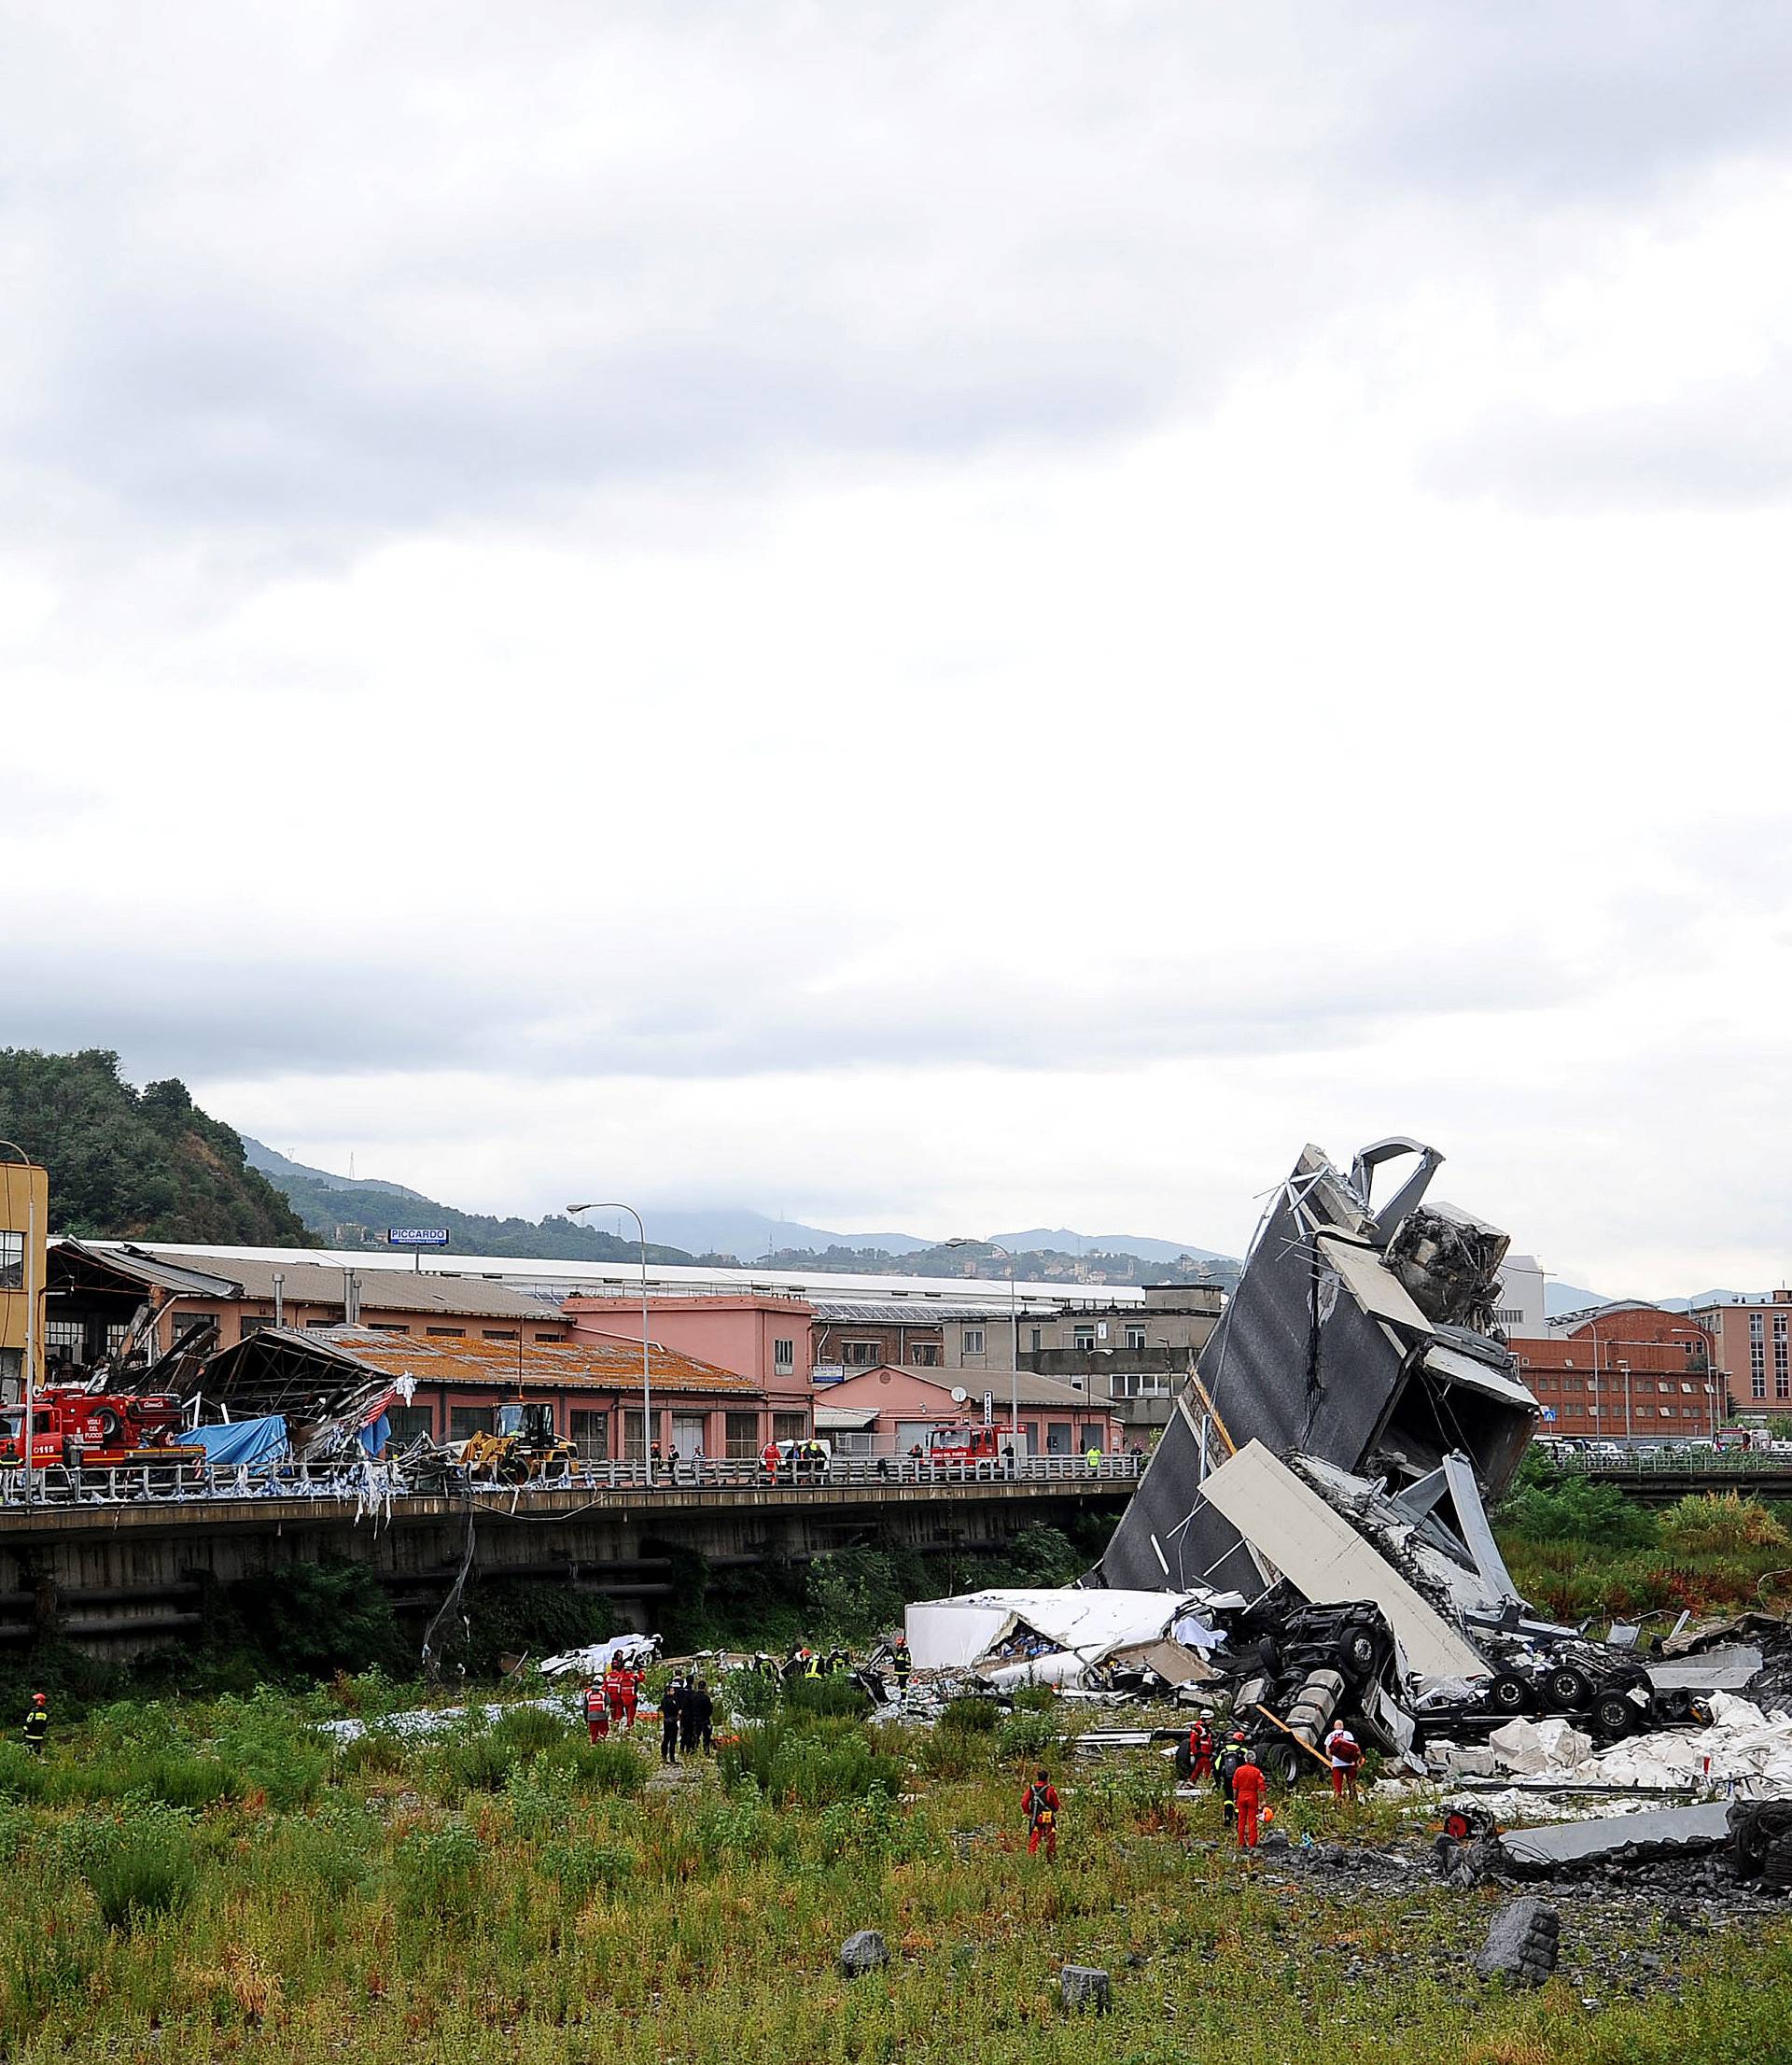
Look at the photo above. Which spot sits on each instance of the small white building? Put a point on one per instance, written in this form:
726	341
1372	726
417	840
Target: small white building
1518	1308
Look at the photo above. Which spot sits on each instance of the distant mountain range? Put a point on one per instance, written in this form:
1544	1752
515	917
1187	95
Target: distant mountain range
355	1211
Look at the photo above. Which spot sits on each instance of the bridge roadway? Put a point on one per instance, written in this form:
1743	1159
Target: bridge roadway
119	1576
1766	1478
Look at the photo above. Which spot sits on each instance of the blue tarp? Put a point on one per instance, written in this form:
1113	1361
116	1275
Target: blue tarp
375	1435
241	1442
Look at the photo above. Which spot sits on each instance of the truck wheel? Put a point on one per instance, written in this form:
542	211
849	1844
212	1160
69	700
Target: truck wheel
1510	1693
1359	1646
1612	1714
1567	1689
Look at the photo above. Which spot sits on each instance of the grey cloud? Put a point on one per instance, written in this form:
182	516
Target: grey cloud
205	1013
1710	447
1593	103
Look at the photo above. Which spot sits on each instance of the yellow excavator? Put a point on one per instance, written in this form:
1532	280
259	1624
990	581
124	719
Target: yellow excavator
522	1448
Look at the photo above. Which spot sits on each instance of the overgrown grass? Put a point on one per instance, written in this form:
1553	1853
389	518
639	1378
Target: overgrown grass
398	1910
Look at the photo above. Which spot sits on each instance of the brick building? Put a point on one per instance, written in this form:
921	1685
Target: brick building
1751	1339
594	1385
767	1340
1624	1372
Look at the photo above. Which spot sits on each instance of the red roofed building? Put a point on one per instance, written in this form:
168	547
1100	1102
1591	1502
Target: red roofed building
592	1384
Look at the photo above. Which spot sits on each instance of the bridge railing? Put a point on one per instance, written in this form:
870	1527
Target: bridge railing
1678	1462
376	1484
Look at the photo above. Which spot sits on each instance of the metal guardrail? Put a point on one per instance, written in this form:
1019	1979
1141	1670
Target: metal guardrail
1679	1462
370	1483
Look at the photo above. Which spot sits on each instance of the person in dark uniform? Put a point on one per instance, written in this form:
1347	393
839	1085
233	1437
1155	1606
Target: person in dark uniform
37	1724
671	1712
699	1719
902	1663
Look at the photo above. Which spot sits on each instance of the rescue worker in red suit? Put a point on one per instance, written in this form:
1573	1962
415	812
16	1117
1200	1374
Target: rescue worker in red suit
1201	1753
618	1685
1247	1786
1346	1753
634	1679
1040	1804
597	1712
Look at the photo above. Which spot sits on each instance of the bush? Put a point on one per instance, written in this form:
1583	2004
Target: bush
1721	1523
750	1695
137	1864
807	1766
1026	1734
1036	1699
529	1730
1576	1509
604	1766
970	1716
438	1870
312	1620
826	1695
581	1869
474	1763
379	1752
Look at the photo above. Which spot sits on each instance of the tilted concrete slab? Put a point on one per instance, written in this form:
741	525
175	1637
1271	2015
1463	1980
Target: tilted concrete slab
1324	1558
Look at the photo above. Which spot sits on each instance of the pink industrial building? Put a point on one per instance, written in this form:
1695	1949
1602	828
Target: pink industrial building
764	1340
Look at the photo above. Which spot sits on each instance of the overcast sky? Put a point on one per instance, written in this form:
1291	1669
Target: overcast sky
916	615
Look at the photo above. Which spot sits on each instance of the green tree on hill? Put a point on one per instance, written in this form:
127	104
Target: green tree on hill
127	1164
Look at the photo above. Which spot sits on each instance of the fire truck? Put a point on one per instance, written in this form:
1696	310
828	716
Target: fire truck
96	1429
965	1444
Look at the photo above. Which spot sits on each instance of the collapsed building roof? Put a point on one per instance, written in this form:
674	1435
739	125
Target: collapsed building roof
1056	1635
1362	1336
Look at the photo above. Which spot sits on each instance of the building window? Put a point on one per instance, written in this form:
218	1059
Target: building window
787	1427
251	1327
740	1434
498	1333
12	1261
784	1355
465	1421
407	1422
1036	1340
1134	1339
1782	1376
591	1435
1083	1339
925	1355
447	1333
1091	1438
183	1320
550	1337
973	1341
1756	1362
385	1327
861	1354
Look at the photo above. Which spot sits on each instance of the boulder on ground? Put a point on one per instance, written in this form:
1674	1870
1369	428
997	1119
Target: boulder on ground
863	1951
1523	1944
1085	1986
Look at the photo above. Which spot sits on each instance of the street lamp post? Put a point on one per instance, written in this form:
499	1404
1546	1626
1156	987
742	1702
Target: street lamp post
647	1376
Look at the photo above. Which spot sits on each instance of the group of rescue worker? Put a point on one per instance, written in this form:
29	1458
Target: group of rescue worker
1235	1770
612	1700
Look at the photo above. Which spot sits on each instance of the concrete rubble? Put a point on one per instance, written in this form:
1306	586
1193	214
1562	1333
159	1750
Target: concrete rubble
1309	1544
863	1951
1085	1986
1523	1944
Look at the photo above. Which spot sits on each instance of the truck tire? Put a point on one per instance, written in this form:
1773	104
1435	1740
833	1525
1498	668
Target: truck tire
1567	1688
1613	1714
1510	1693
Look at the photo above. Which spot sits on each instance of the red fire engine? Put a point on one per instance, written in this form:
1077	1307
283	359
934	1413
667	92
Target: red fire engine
964	1443
97	1428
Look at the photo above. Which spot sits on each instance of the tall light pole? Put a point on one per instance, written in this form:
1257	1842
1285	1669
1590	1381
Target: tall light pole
1014	1322
29	1275
647	1376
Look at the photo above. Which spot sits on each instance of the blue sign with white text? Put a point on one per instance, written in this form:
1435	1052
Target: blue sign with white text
416	1236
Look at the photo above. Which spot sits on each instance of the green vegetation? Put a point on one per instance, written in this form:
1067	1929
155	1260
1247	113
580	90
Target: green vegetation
1038	1265
586	1909
144	1165
1576	1547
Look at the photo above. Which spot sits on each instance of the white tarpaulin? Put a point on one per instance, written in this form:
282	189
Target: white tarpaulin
1325	1559
957	1634
1741	1744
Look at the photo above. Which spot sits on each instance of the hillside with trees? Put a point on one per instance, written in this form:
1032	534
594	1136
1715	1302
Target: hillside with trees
139	1165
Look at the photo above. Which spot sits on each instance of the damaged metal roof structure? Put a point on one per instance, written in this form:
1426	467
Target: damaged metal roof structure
1361	1337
